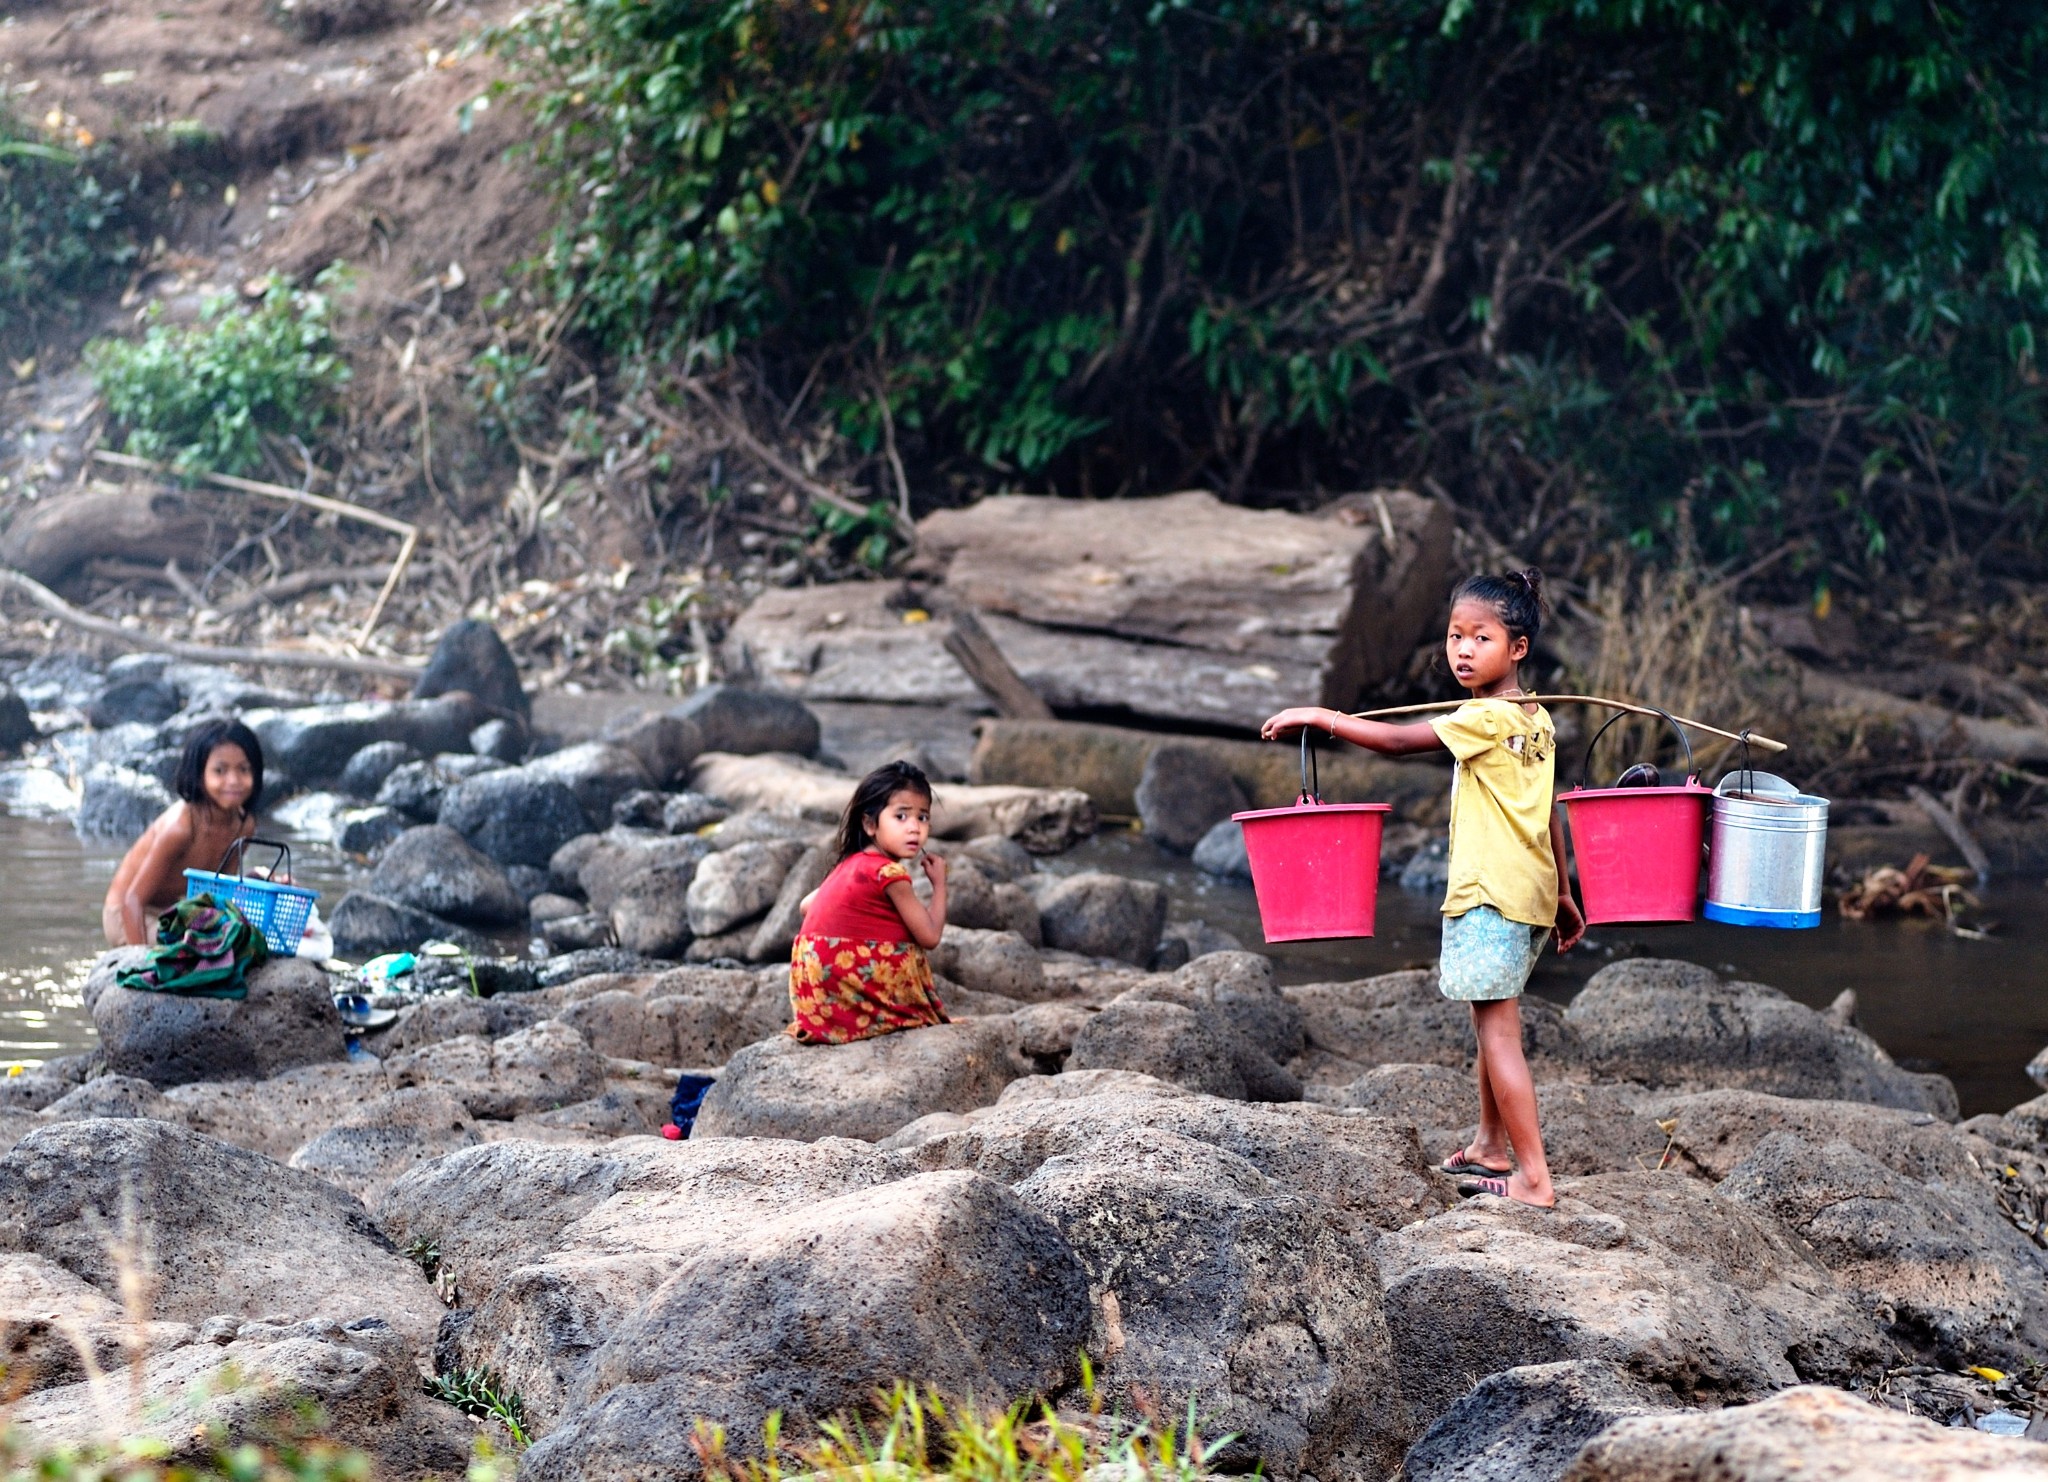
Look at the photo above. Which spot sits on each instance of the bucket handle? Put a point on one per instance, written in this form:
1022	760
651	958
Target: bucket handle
238	851
1586	767
1311	774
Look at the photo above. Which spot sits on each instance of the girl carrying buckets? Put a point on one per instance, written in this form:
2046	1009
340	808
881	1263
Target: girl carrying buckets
1509	887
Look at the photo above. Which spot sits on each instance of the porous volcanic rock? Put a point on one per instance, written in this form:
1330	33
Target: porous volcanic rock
287	1019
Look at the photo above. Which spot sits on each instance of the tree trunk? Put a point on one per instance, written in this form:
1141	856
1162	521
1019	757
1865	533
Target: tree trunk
51	540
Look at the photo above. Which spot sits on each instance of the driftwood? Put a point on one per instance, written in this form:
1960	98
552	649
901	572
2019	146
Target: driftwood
974	651
298	583
54	538
1931	725
199	653
408	533
1953	830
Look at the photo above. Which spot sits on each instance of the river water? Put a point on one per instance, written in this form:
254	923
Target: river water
1974	1010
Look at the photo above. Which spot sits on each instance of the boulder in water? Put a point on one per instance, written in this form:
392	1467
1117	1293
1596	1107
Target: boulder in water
435	869
514	814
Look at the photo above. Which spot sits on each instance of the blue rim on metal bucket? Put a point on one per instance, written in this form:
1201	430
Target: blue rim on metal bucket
1757	916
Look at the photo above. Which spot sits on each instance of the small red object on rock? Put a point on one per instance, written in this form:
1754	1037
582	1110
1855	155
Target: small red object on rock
672	1132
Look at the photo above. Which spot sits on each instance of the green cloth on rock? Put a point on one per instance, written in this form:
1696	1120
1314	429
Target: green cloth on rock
204	946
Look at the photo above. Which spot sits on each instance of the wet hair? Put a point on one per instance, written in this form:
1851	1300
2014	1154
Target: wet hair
189	782
872	796
1517	596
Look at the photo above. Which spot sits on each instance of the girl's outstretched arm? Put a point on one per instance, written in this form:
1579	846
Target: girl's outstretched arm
1373	735
926	923
1571	921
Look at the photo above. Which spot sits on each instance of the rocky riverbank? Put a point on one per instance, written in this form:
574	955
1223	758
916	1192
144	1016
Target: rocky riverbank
1774	1243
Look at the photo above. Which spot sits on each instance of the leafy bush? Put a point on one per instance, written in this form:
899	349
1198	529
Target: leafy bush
204	395
64	231
1774	270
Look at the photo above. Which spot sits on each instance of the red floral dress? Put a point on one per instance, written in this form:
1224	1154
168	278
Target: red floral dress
854	972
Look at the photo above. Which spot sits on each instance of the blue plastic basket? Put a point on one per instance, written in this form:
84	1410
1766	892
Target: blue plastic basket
280	912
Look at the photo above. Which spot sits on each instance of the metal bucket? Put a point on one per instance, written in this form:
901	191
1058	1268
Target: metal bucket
1768	853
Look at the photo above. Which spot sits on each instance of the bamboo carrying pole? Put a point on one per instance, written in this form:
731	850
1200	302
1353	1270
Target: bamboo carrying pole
408	533
1763	743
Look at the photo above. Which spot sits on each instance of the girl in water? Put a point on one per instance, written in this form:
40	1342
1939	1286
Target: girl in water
219	781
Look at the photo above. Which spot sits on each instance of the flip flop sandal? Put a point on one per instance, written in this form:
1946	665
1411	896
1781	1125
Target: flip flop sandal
1472	1188
1459	1166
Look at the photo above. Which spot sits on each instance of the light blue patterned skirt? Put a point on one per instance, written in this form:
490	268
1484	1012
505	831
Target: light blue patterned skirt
1488	957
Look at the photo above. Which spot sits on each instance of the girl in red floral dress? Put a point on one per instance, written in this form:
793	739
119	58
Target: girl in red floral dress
858	968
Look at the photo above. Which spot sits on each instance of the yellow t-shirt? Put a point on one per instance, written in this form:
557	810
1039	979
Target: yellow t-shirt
1500	810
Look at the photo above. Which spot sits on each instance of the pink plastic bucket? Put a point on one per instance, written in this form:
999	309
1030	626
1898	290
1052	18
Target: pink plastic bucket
1315	868
1638	850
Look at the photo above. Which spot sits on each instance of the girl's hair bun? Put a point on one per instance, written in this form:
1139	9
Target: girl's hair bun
1516	595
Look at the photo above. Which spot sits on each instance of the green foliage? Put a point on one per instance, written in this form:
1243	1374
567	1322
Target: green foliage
64	231
203	396
508	388
424	1252
1773	270
920	1434
482	1393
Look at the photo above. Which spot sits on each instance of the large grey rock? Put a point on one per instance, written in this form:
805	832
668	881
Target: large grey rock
1586	1128
1221	852
868	1089
434	869
651	914
368	831
112	1096
416	788
1652	1271
59	1327
537	1069
515	815
554	1249
378	1142
452	1015
1811	1433
1214	1287
229	1230
1713	1131
1370	1170
275	1116
1101	915
17	729
748	722
135	700
990	962
287	1019
599	773
738	884
365	924
1527	1424
603	867
665	744
252	1383
1166	1040
368	768
946	1280
315	743
778	929
1673	1024
471	657
119	802
1183	793
1942	1264
1402	1018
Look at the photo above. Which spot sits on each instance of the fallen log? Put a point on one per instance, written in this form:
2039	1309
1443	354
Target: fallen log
1938	729
54	538
200	653
977	653
1045	820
